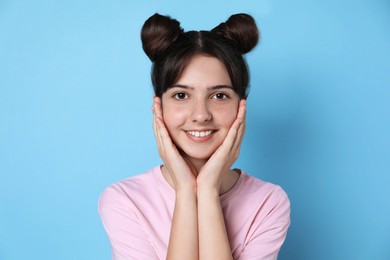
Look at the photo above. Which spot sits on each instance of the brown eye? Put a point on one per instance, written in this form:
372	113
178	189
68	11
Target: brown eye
180	96
220	96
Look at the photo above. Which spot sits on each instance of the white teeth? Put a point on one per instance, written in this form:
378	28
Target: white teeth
200	134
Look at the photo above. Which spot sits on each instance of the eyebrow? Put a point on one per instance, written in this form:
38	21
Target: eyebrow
209	88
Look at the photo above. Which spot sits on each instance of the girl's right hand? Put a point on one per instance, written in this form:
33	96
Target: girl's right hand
181	171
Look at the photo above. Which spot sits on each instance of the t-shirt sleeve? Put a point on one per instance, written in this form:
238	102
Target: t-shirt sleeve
269	232
128	239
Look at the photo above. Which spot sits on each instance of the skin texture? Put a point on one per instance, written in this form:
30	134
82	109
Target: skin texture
198	168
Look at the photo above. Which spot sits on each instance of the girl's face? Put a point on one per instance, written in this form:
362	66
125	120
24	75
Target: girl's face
200	108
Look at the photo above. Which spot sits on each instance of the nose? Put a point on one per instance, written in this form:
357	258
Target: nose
201	112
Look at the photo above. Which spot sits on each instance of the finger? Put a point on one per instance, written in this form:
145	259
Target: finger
240	136
165	139
157	106
157	135
241	110
157	113
162	130
242	127
240	115
231	137
157	123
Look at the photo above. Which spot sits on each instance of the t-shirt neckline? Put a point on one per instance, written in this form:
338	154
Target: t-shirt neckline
170	191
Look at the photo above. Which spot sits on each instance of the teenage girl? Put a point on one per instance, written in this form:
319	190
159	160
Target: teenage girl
194	206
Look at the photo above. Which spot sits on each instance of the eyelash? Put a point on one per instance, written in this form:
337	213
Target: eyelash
176	95
219	93
214	96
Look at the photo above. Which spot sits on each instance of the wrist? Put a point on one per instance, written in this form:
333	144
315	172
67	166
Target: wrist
185	189
207	191
208	186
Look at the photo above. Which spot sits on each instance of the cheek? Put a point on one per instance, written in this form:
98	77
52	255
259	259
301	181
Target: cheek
227	115
173	117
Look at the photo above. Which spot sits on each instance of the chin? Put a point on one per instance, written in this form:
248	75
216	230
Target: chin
198	155
197	151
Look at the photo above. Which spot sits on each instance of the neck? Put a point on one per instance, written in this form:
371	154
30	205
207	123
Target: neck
197	164
230	178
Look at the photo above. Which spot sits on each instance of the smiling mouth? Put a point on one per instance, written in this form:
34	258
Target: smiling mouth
200	133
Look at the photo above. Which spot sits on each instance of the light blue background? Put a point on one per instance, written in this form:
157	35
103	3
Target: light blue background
75	98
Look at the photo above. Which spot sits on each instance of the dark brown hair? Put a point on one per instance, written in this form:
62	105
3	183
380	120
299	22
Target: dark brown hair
171	49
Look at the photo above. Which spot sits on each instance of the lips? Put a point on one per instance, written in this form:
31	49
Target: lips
200	136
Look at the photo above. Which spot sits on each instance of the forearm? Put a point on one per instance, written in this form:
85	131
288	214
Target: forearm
213	238
183	240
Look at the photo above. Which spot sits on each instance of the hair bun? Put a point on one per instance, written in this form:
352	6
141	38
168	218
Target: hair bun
242	30
158	33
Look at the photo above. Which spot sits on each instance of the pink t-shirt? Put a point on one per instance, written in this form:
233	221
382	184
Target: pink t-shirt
137	215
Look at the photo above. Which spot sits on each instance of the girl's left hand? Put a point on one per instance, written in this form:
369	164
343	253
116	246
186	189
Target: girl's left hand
212	173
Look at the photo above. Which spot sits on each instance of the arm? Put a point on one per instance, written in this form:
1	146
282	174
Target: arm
183	240
213	238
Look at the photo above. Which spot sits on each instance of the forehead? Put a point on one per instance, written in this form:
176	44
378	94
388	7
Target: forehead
204	71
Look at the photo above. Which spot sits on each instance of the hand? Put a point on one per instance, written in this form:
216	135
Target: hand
213	172
182	172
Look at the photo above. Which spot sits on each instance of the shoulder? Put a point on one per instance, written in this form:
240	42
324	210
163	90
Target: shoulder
269	197
266	208
254	185
128	189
